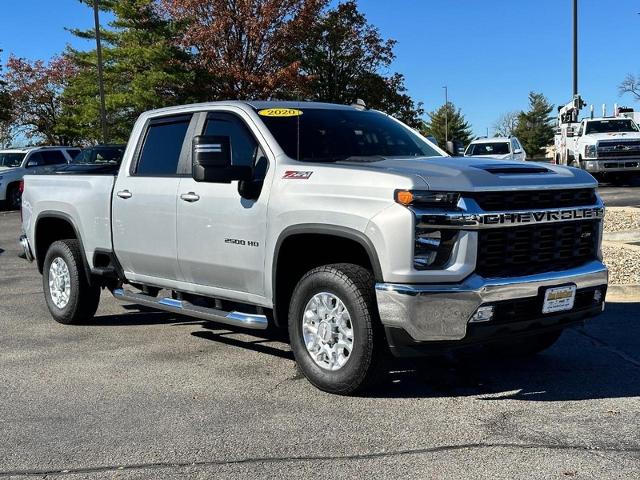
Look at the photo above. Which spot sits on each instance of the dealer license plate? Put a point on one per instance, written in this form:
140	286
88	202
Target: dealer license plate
559	299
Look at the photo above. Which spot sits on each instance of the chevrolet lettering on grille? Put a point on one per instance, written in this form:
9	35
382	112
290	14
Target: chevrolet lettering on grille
498	219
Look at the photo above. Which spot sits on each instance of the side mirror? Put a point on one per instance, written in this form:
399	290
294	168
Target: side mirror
34	163
517	151
212	161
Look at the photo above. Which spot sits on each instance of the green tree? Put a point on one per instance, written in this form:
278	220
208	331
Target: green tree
6	112
534	128
448	118
143	70
343	56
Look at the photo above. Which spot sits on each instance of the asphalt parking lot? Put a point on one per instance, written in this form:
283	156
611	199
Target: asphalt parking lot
137	394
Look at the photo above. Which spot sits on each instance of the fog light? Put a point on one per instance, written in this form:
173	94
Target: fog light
483	314
597	296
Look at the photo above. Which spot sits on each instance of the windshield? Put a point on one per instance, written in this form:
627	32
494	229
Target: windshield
331	135
11	159
498	148
611	126
100	155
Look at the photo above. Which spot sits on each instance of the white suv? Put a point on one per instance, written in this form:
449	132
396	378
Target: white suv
502	148
16	163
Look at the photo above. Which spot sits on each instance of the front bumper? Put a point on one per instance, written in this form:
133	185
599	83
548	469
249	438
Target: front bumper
610	165
429	313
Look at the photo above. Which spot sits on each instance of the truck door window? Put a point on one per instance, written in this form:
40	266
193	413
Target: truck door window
162	146
244	146
53	157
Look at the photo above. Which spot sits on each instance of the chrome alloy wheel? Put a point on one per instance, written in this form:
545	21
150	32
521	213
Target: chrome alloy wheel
327	331
59	282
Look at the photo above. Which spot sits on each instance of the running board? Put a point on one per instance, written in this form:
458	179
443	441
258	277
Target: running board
237	319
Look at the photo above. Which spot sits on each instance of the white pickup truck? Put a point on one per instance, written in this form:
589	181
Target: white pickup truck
17	162
339	223
607	147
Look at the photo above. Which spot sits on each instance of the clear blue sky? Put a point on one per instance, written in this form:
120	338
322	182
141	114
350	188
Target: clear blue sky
490	53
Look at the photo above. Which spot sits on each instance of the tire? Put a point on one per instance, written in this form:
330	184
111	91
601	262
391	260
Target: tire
354	287
525	347
82	298
14	197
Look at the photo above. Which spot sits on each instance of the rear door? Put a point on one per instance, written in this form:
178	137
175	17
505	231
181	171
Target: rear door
144	202
221	233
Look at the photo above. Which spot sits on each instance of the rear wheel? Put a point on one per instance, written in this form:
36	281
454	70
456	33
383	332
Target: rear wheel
14	197
68	293
335	334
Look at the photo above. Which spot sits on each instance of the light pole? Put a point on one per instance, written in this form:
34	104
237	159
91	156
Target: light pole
446	114
103	109
575	47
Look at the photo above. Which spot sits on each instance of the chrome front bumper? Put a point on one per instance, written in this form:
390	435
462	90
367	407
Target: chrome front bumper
442	312
604	165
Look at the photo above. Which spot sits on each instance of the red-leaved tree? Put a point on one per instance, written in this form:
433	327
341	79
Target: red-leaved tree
242	46
36	96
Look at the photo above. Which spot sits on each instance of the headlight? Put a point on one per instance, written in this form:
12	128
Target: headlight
590	151
433	248
427	199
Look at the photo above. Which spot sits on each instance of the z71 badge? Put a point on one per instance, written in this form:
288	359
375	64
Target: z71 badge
296	175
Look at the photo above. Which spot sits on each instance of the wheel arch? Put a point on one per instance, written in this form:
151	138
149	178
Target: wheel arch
354	245
51	226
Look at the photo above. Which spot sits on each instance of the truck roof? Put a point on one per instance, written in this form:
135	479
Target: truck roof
492	140
256	104
43	147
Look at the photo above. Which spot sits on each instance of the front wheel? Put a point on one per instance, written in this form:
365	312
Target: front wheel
68	293
335	334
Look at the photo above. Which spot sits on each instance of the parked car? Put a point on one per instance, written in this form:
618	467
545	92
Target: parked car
104	158
15	163
342	225
503	148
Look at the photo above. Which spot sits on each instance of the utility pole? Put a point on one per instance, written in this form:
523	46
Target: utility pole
575	48
446	114
103	109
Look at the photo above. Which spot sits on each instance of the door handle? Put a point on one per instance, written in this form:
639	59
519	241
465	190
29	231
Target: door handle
190	197
125	194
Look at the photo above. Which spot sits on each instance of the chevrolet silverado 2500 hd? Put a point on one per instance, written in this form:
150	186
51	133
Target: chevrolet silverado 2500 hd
336	222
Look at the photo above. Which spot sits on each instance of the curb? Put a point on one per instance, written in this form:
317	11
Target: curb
623	293
625	236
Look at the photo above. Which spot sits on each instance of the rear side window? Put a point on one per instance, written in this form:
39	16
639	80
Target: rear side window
162	146
53	157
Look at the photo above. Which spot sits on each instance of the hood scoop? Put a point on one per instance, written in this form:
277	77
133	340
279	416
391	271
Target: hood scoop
513	169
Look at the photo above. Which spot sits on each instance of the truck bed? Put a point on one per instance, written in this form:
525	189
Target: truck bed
83	199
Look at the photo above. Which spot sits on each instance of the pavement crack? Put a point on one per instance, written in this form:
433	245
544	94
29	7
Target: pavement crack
316	458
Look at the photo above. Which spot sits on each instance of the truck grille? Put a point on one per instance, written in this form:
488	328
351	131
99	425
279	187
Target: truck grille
518	251
533	200
619	149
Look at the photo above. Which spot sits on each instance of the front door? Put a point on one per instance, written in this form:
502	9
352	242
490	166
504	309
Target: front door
221	233
144	203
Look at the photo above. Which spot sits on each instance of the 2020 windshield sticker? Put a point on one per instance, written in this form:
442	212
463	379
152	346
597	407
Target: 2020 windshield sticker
296	175
280	112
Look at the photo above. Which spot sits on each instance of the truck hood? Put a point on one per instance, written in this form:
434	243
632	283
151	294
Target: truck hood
597	137
468	174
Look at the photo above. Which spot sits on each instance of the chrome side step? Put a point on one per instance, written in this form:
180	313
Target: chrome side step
238	319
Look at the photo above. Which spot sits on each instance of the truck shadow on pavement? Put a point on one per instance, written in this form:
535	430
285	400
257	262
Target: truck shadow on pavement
599	360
